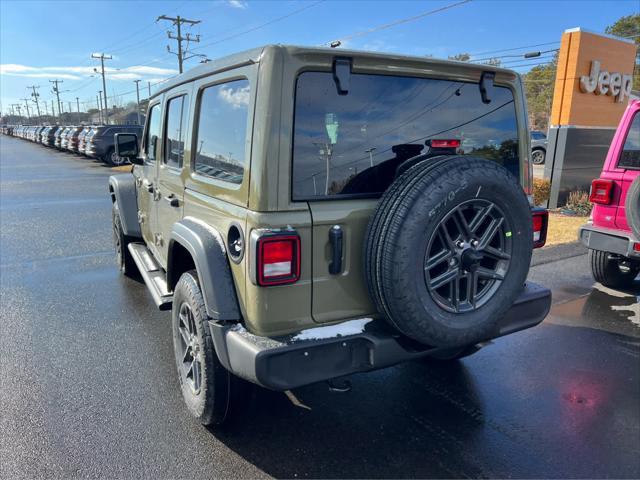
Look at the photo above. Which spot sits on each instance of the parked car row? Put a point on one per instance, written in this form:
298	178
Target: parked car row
95	141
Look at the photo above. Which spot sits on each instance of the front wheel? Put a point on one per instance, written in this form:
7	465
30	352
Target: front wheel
613	270
205	383
111	158
537	157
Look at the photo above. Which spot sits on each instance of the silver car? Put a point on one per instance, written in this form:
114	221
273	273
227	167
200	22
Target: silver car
538	147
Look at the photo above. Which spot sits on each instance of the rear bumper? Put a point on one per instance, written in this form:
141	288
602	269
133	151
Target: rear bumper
282	363
606	240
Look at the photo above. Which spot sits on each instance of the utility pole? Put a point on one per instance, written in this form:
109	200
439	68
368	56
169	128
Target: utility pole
149	87
26	104
100	106
78	105
178	21
35	96
102	58
56	90
137	82
53	112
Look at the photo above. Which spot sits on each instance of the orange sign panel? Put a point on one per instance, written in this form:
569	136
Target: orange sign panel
593	79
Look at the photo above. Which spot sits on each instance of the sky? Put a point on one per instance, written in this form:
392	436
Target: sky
42	41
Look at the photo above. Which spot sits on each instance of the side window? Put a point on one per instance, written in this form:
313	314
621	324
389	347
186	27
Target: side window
630	157
152	139
222	131
175	131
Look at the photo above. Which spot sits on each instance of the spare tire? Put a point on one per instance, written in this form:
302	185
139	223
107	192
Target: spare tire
632	207
448	250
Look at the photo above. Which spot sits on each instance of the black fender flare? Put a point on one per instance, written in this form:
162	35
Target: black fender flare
122	189
208	251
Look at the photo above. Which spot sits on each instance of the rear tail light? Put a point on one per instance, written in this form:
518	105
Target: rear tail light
636	247
278	259
540	218
447	143
601	191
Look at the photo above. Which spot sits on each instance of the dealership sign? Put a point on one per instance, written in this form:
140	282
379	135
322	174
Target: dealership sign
601	82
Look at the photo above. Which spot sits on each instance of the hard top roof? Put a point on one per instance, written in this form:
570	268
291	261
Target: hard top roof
254	55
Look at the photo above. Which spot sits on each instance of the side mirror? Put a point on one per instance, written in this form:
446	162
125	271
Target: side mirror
127	147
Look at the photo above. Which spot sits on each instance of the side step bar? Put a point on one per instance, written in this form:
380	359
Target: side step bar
152	274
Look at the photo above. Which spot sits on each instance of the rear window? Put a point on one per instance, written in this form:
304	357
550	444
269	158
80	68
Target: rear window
355	144
630	157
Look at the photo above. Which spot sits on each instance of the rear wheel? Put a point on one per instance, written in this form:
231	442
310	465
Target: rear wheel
537	156
612	270
121	242
206	385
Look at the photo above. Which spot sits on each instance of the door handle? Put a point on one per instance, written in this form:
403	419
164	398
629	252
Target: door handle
172	200
335	239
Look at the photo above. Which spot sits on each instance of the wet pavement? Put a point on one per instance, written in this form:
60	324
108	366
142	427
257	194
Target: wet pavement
88	387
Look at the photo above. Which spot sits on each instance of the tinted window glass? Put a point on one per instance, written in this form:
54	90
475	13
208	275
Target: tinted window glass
175	131
356	144
222	131
152	139
630	157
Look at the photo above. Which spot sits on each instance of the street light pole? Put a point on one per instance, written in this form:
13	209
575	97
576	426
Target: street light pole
102	58
101	113
78	105
370	152
137	82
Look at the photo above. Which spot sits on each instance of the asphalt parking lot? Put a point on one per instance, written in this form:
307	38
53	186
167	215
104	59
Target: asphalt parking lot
88	388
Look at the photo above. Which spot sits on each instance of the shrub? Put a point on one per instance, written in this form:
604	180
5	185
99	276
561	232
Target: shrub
541	190
578	201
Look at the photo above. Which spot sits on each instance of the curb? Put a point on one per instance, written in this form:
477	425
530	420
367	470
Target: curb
557	252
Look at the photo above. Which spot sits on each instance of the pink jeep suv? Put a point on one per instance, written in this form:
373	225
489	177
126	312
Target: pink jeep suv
614	249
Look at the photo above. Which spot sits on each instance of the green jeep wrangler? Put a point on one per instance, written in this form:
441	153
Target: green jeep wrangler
309	213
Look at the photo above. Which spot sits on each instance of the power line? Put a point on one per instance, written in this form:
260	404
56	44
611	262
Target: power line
531	64
513	49
262	25
396	23
520	55
547	59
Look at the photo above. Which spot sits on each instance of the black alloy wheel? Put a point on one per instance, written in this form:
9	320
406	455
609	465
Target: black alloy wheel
191	357
468	256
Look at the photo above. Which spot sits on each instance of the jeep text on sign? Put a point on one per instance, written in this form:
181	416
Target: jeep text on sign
601	82
593	79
